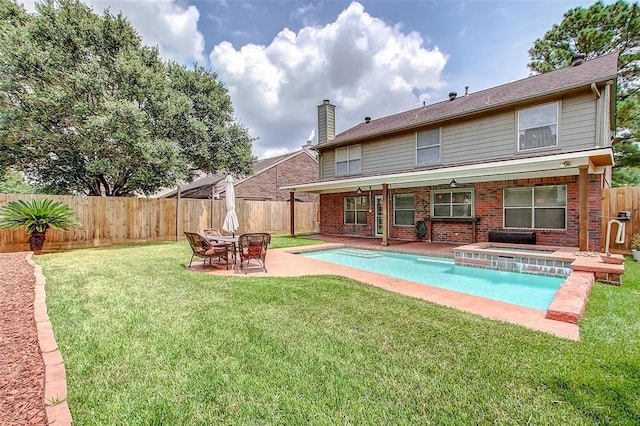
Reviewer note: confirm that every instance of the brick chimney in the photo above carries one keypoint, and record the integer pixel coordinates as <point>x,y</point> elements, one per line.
<point>326,122</point>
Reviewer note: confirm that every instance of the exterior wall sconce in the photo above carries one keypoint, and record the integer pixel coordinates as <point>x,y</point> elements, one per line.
<point>453,184</point>
<point>359,191</point>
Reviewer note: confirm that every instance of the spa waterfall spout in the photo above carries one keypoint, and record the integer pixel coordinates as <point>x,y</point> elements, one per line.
<point>619,234</point>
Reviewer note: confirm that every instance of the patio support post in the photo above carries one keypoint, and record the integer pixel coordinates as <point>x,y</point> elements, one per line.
<point>292,213</point>
<point>385,214</point>
<point>213,198</point>
<point>583,212</point>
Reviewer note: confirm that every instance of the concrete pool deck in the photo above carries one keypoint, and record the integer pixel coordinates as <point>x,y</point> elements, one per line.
<point>285,263</point>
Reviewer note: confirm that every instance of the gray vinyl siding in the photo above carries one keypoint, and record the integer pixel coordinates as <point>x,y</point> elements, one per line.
<point>398,153</point>
<point>578,123</point>
<point>328,164</point>
<point>479,139</point>
<point>483,139</point>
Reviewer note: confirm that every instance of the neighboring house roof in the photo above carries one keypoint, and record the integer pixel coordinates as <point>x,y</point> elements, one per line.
<point>201,188</point>
<point>593,71</point>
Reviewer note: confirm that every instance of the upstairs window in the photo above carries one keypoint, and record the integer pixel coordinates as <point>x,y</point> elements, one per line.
<point>454,203</point>
<point>355,210</point>
<point>349,160</point>
<point>540,207</point>
<point>428,147</point>
<point>538,127</point>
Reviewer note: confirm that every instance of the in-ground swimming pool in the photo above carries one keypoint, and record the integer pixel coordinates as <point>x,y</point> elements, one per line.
<point>533,291</point>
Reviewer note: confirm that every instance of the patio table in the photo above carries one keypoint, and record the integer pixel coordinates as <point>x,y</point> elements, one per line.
<point>226,239</point>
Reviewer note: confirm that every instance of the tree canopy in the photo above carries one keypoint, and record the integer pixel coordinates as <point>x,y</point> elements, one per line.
<point>85,108</point>
<point>595,31</point>
<point>13,183</point>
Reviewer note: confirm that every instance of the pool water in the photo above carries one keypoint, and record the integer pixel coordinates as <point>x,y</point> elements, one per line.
<point>533,291</point>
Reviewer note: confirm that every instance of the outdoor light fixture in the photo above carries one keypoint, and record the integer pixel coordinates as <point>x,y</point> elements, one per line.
<point>566,164</point>
<point>453,184</point>
<point>359,191</point>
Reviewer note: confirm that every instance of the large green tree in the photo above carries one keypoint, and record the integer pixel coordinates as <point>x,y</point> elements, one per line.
<point>85,108</point>
<point>593,31</point>
<point>13,183</point>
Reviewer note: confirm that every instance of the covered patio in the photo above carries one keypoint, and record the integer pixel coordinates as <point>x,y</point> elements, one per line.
<point>580,168</point>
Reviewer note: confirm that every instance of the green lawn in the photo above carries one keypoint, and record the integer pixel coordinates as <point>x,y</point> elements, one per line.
<point>146,341</point>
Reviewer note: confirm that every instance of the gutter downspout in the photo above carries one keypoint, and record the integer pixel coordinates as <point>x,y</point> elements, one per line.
<point>599,109</point>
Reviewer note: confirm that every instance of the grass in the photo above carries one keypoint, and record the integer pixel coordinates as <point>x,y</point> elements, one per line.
<point>147,342</point>
<point>283,241</point>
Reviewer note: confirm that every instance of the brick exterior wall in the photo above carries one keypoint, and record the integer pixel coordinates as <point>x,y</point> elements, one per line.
<point>265,186</point>
<point>488,197</point>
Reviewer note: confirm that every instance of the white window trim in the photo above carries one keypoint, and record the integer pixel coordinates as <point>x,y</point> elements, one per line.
<point>413,210</point>
<point>533,207</point>
<point>344,211</point>
<point>422,147</point>
<point>453,191</point>
<point>558,109</point>
<point>335,160</point>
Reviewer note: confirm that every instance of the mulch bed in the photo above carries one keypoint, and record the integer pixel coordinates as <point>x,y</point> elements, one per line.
<point>21,364</point>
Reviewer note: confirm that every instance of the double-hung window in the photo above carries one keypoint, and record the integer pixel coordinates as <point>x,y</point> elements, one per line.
<point>403,207</point>
<point>452,203</point>
<point>349,160</point>
<point>428,147</point>
<point>538,127</point>
<point>540,207</point>
<point>355,210</point>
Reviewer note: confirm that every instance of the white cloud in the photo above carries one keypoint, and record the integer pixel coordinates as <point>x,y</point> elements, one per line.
<point>363,65</point>
<point>274,152</point>
<point>163,23</point>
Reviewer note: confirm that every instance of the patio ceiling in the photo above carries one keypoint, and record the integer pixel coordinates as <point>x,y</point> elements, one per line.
<point>565,164</point>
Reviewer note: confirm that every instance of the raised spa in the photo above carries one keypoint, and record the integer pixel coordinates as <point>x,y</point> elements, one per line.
<point>522,258</point>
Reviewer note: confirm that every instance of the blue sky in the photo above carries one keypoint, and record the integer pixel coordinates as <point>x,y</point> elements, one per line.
<point>280,59</point>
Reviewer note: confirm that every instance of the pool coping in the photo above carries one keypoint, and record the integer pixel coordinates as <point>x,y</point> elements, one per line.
<point>520,315</point>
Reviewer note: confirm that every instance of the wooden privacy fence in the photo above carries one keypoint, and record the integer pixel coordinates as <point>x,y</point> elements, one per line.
<point>615,200</point>
<point>108,220</point>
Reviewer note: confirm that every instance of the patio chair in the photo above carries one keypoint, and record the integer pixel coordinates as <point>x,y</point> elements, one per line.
<point>253,245</point>
<point>211,234</point>
<point>201,247</point>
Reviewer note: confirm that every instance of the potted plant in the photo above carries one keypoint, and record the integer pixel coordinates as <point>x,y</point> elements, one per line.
<point>37,216</point>
<point>635,246</point>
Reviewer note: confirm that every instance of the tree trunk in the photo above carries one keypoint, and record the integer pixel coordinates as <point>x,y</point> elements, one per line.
<point>37,241</point>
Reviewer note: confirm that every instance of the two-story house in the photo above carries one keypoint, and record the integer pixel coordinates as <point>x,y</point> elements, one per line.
<point>528,156</point>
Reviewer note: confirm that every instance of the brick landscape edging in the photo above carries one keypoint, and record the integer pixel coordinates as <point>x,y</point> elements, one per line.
<point>55,379</point>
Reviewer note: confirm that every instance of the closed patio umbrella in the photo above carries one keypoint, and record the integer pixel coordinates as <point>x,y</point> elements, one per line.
<point>231,219</point>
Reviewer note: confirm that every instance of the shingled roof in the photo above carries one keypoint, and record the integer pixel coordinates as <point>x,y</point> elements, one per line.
<point>201,188</point>
<point>597,70</point>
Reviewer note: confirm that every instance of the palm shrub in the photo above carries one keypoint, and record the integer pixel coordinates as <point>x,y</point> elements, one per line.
<point>37,216</point>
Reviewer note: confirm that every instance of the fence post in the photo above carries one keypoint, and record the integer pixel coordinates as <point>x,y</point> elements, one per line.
<point>178,214</point>
<point>292,214</point>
